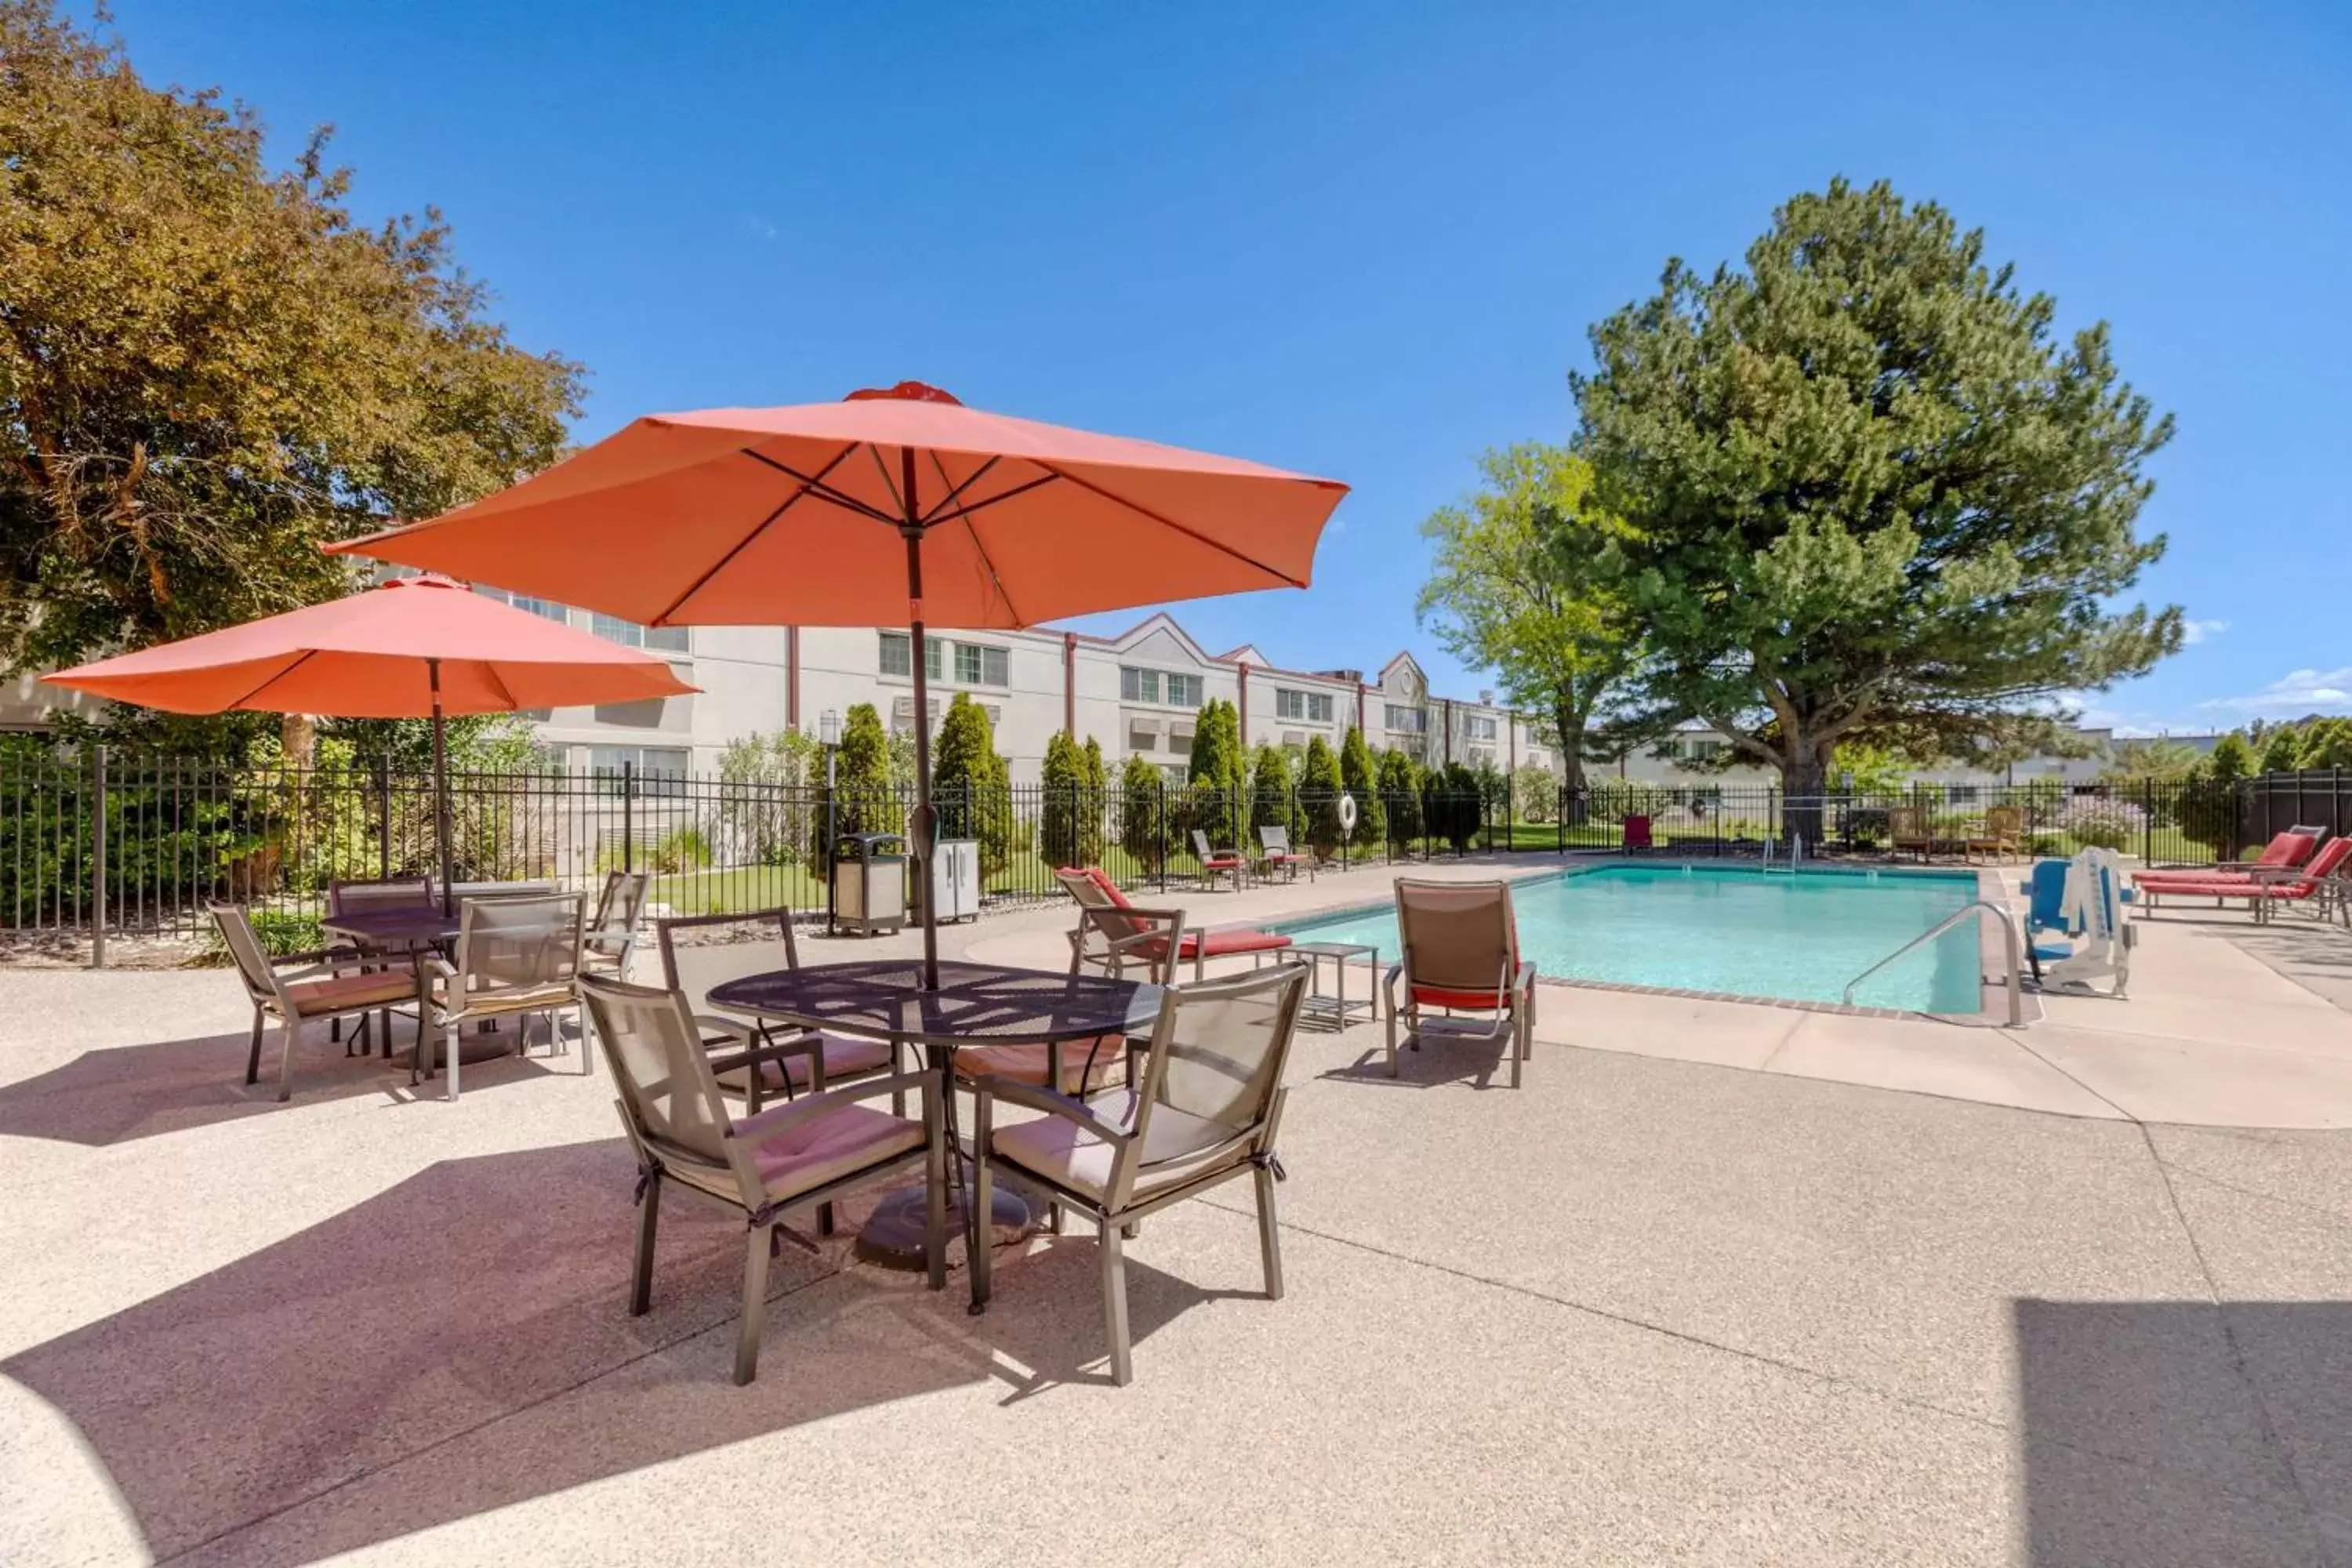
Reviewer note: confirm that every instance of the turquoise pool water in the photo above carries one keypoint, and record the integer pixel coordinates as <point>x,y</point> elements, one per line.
<point>1745,932</point>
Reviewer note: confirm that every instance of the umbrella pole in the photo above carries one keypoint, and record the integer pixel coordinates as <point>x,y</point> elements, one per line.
<point>440,785</point>
<point>920,839</point>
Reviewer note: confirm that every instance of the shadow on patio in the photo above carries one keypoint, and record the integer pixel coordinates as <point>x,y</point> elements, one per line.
<point>2179,1432</point>
<point>490,1288</point>
<point>122,1093</point>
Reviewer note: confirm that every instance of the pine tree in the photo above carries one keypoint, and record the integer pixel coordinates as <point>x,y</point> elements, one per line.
<point>2281,747</point>
<point>1142,808</point>
<point>866,802</point>
<point>1400,780</point>
<point>1319,784</point>
<point>1360,774</point>
<point>1061,813</point>
<point>971,786</point>
<point>1270,798</point>
<point>1091,833</point>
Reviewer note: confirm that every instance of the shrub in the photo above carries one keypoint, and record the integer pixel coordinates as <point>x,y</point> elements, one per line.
<point>682,849</point>
<point>1270,797</point>
<point>1061,813</point>
<point>1399,782</point>
<point>1360,776</point>
<point>2097,821</point>
<point>1534,794</point>
<point>1142,804</point>
<point>1864,824</point>
<point>971,786</point>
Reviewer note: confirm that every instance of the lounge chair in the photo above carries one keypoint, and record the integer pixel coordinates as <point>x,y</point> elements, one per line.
<point>1908,827</point>
<point>2045,892</point>
<point>1094,890</point>
<point>1637,833</point>
<point>515,957</point>
<point>2321,881</point>
<point>790,1156</point>
<point>1274,852</point>
<point>1461,947</point>
<point>1206,1112</point>
<point>2284,852</point>
<point>1217,862</point>
<point>329,983</point>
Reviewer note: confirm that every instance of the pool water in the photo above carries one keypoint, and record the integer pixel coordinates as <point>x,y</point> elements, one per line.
<point>1745,932</point>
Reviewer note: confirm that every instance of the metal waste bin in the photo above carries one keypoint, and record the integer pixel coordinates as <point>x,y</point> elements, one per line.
<point>869,883</point>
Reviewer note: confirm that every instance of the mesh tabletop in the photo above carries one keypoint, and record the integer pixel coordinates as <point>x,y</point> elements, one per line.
<point>976,1004</point>
<point>394,927</point>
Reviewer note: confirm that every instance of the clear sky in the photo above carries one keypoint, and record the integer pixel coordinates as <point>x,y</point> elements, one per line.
<point>1365,239</point>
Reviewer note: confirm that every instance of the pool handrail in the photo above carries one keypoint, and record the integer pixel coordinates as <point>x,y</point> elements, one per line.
<point>1974,907</point>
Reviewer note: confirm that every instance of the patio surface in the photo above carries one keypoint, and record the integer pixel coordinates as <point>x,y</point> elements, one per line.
<point>1724,1284</point>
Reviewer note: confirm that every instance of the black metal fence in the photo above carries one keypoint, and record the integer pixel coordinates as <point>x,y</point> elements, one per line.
<point>96,844</point>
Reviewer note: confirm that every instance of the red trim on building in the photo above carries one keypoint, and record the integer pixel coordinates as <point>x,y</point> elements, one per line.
<point>1243,674</point>
<point>1070,684</point>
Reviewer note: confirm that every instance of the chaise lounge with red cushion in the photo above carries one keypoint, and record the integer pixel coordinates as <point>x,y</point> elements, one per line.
<point>2276,881</point>
<point>1093,888</point>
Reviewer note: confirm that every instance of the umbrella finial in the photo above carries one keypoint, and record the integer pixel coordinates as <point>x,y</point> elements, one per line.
<point>905,392</point>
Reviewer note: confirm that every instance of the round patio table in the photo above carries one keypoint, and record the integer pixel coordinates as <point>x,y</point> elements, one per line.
<point>975,1005</point>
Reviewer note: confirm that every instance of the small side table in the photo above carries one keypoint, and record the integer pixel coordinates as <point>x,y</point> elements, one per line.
<point>1335,1009</point>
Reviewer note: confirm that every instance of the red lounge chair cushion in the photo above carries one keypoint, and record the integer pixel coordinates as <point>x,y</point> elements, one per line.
<point>1221,863</point>
<point>1222,943</point>
<point>1438,997</point>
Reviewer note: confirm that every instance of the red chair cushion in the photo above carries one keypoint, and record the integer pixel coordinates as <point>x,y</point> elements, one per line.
<point>1221,943</point>
<point>1439,996</point>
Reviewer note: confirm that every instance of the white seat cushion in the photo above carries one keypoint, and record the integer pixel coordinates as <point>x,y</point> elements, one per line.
<point>1070,1156</point>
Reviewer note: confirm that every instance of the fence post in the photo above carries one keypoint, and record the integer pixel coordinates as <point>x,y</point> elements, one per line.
<point>98,859</point>
<point>2147,822</point>
<point>628,809</point>
<point>384,815</point>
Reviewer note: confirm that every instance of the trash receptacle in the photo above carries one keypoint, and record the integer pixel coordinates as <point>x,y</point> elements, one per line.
<point>869,883</point>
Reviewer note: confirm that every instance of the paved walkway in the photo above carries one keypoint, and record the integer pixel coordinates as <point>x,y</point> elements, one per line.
<point>1658,1307</point>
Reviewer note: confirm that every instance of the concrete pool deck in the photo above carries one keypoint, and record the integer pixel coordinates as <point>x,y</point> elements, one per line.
<point>1707,1290</point>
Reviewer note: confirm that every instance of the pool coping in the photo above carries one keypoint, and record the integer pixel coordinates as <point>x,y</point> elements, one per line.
<point>1992,997</point>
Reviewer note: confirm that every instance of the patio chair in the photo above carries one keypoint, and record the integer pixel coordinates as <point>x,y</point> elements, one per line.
<point>2004,831</point>
<point>611,936</point>
<point>790,1156</point>
<point>1275,852</point>
<point>345,897</point>
<point>515,957</point>
<point>1461,953</point>
<point>301,986</point>
<point>1094,890</point>
<point>1117,942</point>
<point>1206,1111</point>
<point>1216,862</point>
<point>1908,827</point>
<point>749,1056</point>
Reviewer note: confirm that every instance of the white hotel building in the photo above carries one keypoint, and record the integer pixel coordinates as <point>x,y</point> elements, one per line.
<point>1138,693</point>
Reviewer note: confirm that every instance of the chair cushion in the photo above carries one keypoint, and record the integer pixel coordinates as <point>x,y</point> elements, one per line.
<point>1220,943</point>
<point>1027,1063</point>
<point>1070,1156</point>
<point>803,1157</point>
<point>844,1058</point>
<point>350,992</point>
<point>1441,997</point>
<point>518,999</point>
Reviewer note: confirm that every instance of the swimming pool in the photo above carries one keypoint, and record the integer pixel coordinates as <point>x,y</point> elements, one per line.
<point>1740,930</point>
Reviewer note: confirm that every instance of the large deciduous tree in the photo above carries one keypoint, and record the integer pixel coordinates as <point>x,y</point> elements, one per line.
<point>1870,494</point>
<point>1521,583</point>
<point>208,367</point>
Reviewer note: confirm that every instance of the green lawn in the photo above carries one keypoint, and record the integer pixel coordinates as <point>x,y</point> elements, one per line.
<point>737,889</point>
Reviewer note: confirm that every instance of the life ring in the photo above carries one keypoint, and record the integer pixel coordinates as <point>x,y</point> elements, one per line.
<point>1347,813</point>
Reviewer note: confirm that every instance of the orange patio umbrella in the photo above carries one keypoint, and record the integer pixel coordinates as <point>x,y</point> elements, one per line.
<point>888,507</point>
<point>414,647</point>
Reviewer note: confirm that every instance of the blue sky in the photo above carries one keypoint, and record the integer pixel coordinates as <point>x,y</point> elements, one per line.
<point>1365,240</point>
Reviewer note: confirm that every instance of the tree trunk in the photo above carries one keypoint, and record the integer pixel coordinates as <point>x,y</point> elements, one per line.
<point>1570,724</point>
<point>297,739</point>
<point>1804,780</point>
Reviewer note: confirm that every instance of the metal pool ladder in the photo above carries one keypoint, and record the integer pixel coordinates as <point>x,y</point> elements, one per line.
<point>1976,908</point>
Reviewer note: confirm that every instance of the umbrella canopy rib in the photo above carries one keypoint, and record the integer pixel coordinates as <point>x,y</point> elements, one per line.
<point>274,676</point>
<point>751,538</point>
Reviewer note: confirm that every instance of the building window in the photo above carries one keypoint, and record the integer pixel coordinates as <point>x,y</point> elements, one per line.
<point>1478,727</point>
<point>976,664</point>
<point>1705,751</point>
<point>546,609</point>
<point>628,633</point>
<point>1537,760</point>
<point>1314,707</point>
<point>657,770</point>
<point>1159,686</point>
<point>897,658</point>
<point>1406,721</point>
<point>1960,795</point>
